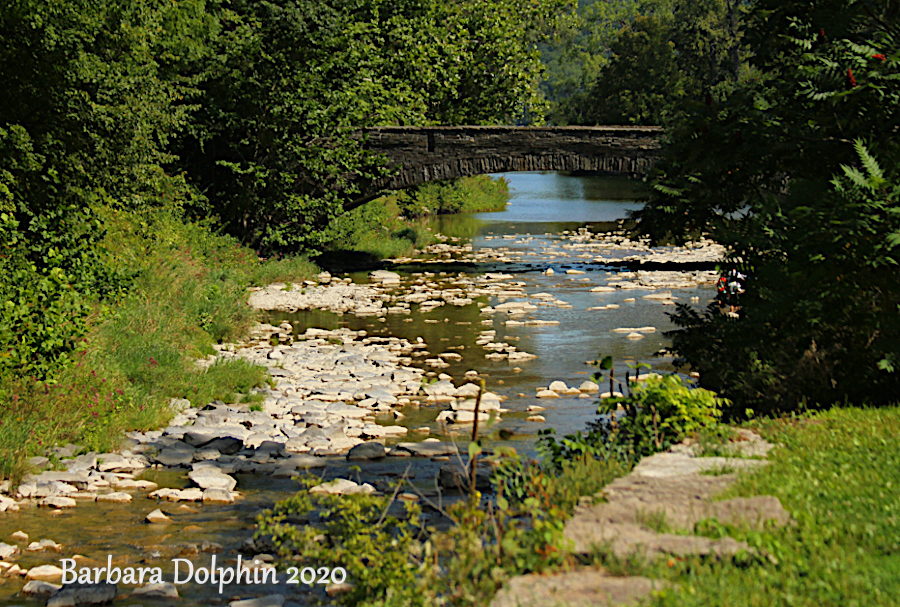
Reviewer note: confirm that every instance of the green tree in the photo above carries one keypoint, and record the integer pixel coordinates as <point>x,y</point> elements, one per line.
<point>796,173</point>
<point>643,81</point>
<point>292,82</point>
<point>638,61</point>
<point>93,92</point>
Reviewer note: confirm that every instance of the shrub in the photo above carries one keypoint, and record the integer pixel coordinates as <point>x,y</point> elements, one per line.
<point>659,412</point>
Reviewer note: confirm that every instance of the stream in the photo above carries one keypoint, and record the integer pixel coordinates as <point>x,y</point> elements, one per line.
<point>539,230</point>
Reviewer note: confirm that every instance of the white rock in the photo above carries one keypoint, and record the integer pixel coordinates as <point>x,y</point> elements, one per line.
<point>7,551</point>
<point>559,386</point>
<point>218,496</point>
<point>207,478</point>
<point>57,502</point>
<point>589,386</point>
<point>158,517</point>
<point>342,486</point>
<point>119,497</point>
<point>19,536</point>
<point>44,572</point>
<point>164,590</point>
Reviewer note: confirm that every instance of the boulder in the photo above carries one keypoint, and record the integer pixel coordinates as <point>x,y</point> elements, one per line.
<point>57,502</point>
<point>366,451</point>
<point>76,595</point>
<point>226,445</point>
<point>218,496</point>
<point>559,386</point>
<point>208,478</point>
<point>119,497</point>
<point>44,572</point>
<point>18,536</point>
<point>454,476</point>
<point>40,588</point>
<point>7,551</point>
<point>172,458</point>
<point>8,504</point>
<point>45,544</point>
<point>384,277</point>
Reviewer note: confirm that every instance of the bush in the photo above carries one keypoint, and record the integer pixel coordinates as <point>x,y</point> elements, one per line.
<point>659,412</point>
<point>477,194</point>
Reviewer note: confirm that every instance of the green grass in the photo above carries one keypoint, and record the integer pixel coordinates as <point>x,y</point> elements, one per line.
<point>838,474</point>
<point>377,228</point>
<point>189,293</point>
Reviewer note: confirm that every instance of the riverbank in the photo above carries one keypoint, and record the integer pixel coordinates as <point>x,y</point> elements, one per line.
<point>182,291</point>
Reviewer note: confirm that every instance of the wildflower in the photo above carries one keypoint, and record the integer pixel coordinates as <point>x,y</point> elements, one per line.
<point>851,77</point>
<point>153,362</point>
<point>879,56</point>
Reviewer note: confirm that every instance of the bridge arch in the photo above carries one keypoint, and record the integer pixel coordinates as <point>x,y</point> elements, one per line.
<point>433,153</point>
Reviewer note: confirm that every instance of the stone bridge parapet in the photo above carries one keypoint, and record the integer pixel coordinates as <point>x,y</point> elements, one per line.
<point>433,153</point>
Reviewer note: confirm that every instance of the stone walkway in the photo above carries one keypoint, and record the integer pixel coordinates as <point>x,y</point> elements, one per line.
<point>651,512</point>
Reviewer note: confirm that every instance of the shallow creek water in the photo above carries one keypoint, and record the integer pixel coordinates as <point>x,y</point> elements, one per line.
<point>543,207</point>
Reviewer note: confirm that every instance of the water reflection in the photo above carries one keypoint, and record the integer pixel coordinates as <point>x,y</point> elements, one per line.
<point>552,197</point>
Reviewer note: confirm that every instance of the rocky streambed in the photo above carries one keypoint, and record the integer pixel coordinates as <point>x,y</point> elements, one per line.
<point>389,384</point>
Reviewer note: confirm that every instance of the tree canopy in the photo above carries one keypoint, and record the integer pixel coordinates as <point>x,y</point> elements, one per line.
<point>796,172</point>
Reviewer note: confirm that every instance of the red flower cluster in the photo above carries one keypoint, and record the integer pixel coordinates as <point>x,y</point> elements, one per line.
<point>879,56</point>
<point>851,77</point>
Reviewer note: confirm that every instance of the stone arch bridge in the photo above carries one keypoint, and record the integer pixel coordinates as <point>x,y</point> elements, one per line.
<point>433,153</point>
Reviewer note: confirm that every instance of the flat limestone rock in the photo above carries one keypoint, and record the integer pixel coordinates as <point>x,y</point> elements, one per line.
<point>208,478</point>
<point>586,588</point>
<point>7,551</point>
<point>172,458</point>
<point>46,573</point>
<point>57,502</point>
<point>428,448</point>
<point>119,497</point>
<point>164,590</point>
<point>672,486</point>
<point>217,496</point>
<point>342,486</point>
<point>272,600</point>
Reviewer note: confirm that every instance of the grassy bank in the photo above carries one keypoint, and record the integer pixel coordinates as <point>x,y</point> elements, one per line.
<point>188,292</point>
<point>394,225</point>
<point>838,474</point>
<point>181,289</point>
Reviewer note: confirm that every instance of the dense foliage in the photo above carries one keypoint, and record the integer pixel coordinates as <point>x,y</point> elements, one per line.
<point>657,413</point>
<point>290,84</point>
<point>796,172</point>
<point>245,111</point>
<point>640,62</point>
